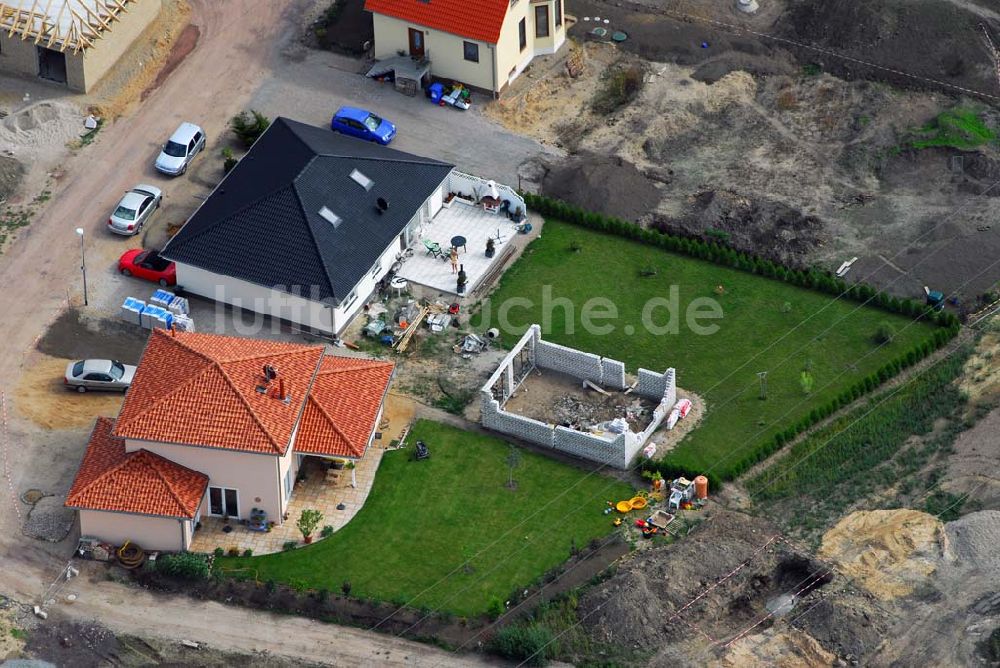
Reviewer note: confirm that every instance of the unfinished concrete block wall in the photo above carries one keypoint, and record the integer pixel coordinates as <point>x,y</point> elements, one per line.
<point>616,450</point>
<point>614,374</point>
<point>585,366</point>
<point>610,451</point>
<point>518,426</point>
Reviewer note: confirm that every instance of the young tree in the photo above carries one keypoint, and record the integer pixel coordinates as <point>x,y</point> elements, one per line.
<point>513,461</point>
<point>308,521</point>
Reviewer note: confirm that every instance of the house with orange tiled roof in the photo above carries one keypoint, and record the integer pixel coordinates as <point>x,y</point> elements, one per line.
<point>219,426</point>
<point>481,43</point>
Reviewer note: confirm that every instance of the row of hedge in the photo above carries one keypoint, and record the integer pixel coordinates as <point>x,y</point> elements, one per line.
<point>675,463</point>
<point>725,255</point>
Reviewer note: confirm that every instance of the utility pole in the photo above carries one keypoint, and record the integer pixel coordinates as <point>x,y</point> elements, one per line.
<point>83,264</point>
<point>762,376</point>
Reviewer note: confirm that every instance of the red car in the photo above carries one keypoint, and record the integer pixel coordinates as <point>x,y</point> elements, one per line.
<point>148,265</point>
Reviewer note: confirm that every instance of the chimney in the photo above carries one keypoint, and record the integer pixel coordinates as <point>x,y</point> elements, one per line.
<point>281,388</point>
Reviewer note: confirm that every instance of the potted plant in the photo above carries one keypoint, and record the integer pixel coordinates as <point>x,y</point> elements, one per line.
<point>308,521</point>
<point>491,247</point>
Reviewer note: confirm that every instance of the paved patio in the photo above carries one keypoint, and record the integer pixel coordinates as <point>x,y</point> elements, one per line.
<point>460,219</point>
<point>316,491</point>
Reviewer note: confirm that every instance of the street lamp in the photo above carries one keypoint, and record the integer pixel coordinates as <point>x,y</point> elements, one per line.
<point>83,265</point>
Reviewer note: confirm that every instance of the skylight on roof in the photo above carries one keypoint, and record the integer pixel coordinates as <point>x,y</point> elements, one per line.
<point>362,180</point>
<point>330,217</point>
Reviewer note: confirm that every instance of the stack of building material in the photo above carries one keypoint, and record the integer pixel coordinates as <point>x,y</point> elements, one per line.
<point>156,317</point>
<point>178,306</point>
<point>162,298</point>
<point>183,323</point>
<point>131,310</point>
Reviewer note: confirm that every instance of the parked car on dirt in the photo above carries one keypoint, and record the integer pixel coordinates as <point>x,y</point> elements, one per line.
<point>363,125</point>
<point>98,375</point>
<point>187,141</point>
<point>134,209</point>
<point>148,265</point>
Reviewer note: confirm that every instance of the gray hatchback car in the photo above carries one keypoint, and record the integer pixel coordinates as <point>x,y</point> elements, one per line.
<point>99,375</point>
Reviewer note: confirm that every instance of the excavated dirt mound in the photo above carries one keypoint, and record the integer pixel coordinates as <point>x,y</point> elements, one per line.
<point>890,552</point>
<point>609,184</point>
<point>672,599</point>
<point>779,649</point>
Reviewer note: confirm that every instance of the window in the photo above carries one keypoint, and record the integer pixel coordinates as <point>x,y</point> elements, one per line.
<point>223,502</point>
<point>288,483</point>
<point>471,51</point>
<point>541,21</point>
<point>348,300</point>
<point>376,269</point>
<point>522,33</point>
<point>558,13</point>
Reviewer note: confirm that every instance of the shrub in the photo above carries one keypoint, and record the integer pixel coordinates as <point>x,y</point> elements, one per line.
<point>249,125</point>
<point>289,545</point>
<point>496,608</point>
<point>621,86</point>
<point>885,333</point>
<point>345,587</point>
<point>528,643</point>
<point>326,532</point>
<point>186,565</point>
<point>233,552</point>
<point>228,160</point>
<point>248,552</point>
<point>271,586</point>
<point>219,553</point>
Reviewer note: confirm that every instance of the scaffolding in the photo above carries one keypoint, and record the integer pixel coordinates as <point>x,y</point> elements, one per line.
<point>61,25</point>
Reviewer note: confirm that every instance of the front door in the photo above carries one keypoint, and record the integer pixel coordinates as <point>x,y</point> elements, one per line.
<point>416,43</point>
<point>223,502</point>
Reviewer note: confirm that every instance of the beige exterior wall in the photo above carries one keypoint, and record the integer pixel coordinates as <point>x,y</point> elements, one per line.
<point>498,64</point>
<point>446,51</point>
<point>149,532</point>
<point>256,478</point>
<point>86,68</point>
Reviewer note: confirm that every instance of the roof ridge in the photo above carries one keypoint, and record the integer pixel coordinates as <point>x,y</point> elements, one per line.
<point>308,221</point>
<point>301,348</point>
<point>417,160</point>
<point>154,463</point>
<point>333,423</point>
<point>253,413</point>
<point>359,366</point>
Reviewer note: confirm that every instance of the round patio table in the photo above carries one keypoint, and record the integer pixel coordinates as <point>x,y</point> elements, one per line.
<point>459,242</point>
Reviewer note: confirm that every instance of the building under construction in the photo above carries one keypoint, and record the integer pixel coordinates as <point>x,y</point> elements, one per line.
<point>72,42</point>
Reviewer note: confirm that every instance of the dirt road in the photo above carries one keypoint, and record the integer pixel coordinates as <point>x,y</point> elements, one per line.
<point>239,44</point>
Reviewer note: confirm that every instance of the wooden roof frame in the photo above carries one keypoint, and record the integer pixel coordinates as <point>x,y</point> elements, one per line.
<point>43,22</point>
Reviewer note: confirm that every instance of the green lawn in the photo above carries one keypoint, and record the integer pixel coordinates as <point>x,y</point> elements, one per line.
<point>424,519</point>
<point>580,264</point>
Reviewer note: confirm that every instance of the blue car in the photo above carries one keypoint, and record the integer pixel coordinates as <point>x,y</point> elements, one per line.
<point>363,125</point>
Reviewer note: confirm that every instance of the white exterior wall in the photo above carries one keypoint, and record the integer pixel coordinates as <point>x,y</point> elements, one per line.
<point>511,60</point>
<point>254,476</point>
<point>165,534</point>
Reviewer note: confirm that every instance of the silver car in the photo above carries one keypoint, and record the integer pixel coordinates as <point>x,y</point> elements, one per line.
<point>134,209</point>
<point>186,142</point>
<point>99,375</point>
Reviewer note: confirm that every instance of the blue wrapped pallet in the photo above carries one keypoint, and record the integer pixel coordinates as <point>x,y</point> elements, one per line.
<point>131,310</point>
<point>162,298</point>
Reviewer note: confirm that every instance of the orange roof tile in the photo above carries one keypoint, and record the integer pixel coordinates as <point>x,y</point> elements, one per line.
<point>343,406</point>
<point>476,19</point>
<point>133,482</point>
<point>202,389</point>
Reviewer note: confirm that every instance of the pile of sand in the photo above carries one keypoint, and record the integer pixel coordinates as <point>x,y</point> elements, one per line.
<point>42,398</point>
<point>973,541</point>
<point>780,649</point>
<point>888,551</point>
<point>38,129</point>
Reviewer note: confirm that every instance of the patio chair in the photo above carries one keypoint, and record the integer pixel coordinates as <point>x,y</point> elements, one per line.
<point>433,248</point>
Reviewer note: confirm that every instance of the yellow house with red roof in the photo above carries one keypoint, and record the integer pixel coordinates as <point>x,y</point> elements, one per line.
<point>218,426</point>
<point>481,43</point>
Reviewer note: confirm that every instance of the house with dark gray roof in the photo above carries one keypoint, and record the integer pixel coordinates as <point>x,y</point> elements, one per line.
<point>306,225</point>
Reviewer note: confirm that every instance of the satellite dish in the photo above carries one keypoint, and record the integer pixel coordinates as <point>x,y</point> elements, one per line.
<point>382,204</point>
